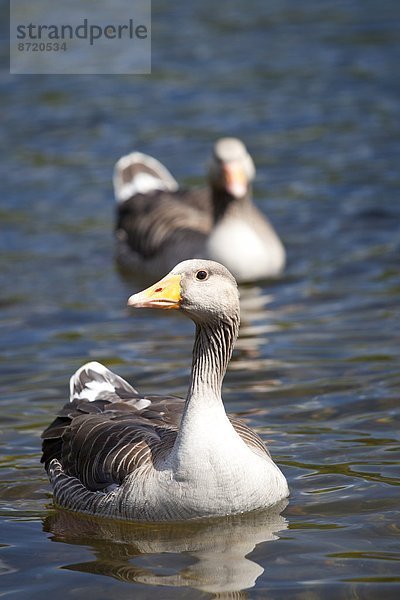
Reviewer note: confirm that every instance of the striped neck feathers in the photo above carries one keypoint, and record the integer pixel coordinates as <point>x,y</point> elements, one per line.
<point>212,352</point>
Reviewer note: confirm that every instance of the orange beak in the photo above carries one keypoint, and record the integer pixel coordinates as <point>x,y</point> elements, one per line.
<point>164,294</point>
<point>235,179</point>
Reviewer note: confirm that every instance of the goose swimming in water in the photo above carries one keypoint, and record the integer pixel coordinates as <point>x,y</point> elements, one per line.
<point>114,452</point>
<point>158,224</point>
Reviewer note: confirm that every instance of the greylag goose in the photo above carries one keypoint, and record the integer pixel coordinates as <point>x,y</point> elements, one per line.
<point>158,224</point>
<point>114,452</point>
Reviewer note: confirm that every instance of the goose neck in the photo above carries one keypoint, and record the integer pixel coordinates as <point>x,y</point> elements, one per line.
<point>212,351</point>
<point>204,420</point>
<point>224,203</point>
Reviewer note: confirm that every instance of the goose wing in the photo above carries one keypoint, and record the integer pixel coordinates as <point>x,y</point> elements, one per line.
<point>102,439</point>
<point>153,222</point>
<point>152,212</point>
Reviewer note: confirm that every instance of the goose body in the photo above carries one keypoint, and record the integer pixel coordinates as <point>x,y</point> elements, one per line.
<point>114,452</point>
<point>158,224</point>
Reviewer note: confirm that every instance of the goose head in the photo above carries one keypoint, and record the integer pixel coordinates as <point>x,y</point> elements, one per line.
<point>231,169</point>
<point>203,289</point>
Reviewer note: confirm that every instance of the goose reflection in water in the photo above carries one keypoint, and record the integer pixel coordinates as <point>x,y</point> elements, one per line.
<point>209,555</point>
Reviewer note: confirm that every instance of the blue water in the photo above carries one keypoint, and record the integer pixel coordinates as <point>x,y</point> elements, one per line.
<point>313,89</point>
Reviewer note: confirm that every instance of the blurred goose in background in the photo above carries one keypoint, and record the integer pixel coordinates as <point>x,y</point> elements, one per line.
<point>159,224</point>
<point>114,452</point>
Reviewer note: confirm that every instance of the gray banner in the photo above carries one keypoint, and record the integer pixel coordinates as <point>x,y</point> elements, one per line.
<point>80,37</point>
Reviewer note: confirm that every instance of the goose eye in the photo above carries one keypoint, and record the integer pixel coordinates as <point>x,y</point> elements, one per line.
<point>201,275</point>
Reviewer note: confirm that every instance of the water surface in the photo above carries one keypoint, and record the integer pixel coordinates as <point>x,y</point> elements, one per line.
<point>313,90</point>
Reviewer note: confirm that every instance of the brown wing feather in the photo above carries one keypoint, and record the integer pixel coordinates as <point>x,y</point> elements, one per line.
<point>151,221</point>
<point>101,442</point>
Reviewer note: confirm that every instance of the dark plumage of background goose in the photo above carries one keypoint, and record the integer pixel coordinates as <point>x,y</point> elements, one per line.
<point>159,224</point>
